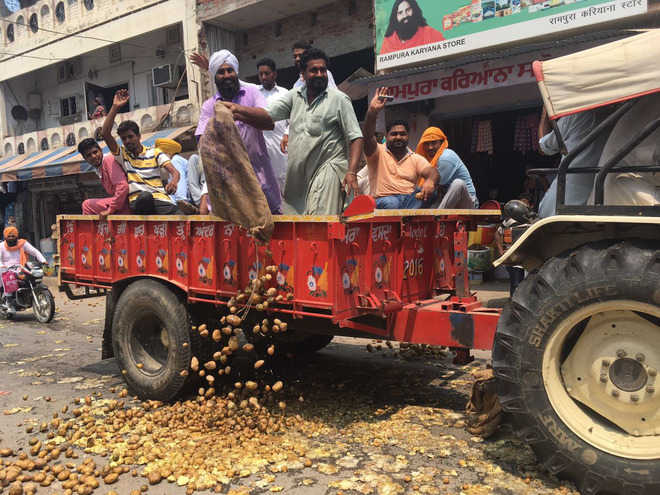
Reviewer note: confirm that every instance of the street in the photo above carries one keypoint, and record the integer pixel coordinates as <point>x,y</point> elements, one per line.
<point>355,422</point>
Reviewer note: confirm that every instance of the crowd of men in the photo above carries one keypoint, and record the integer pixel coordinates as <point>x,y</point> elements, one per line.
<point>305,145</point>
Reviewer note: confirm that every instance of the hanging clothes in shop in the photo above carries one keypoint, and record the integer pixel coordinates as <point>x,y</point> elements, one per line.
<point>482,136</point>
<point>526,135</point>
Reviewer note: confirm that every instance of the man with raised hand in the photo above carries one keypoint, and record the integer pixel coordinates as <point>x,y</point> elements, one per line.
<point>394,170</point>
<point>142,164</point>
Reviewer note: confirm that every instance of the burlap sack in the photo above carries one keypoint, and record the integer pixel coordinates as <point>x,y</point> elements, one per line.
<point>484,412</point>
<point>234,191</point>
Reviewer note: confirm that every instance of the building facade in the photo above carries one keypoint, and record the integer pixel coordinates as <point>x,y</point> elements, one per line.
<point>60,60</point>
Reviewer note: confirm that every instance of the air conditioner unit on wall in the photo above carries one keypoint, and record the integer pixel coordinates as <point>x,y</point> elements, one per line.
<point>161,75</point>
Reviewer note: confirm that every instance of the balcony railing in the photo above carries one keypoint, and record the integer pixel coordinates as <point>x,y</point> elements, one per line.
<point>149,119</point>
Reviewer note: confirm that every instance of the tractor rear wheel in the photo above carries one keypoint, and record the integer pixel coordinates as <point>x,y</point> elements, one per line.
<point>576,357</point>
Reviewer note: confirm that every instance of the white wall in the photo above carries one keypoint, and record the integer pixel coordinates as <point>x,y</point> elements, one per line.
<point>133,69</point>
<point>109,22</point>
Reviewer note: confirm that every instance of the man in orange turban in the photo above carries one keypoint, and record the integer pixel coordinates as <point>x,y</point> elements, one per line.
<point>13,252</point>
<point>454,175</point>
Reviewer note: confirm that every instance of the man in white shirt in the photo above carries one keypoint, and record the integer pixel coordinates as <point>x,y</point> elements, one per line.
<point>299,48</point>
<point>267,72</point>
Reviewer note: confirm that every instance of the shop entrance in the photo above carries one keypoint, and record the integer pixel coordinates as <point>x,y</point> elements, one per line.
<point>498,148</point>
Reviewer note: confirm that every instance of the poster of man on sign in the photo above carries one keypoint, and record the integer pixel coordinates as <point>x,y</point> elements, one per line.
<point>414,31</point>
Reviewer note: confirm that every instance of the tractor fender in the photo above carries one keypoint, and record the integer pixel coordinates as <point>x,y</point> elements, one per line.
<point>554,235</point>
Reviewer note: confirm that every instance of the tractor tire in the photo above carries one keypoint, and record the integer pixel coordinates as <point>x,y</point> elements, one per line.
<point>151,339</point>
<point>576,356</point>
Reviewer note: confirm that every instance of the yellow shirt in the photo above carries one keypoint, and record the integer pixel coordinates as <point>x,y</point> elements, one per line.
<point>387,176</point>
<point>143,172</point>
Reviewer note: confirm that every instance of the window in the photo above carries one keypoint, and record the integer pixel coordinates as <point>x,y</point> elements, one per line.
<point>34,23</point>
<point>21,149</point>
<point>68,106</point>
<point>71,139</point>
<point>89,4</point>
<point>44,144</point>
<point>10,33</point>
<point>59,12</point>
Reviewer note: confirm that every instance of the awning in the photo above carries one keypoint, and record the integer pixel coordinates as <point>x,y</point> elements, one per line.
<point>65,160</point>
<point>600,76</point>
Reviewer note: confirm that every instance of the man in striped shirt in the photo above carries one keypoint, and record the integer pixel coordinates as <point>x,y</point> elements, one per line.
<point>146,194</point>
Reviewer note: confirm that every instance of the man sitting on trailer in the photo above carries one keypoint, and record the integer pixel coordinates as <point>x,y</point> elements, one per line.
<point>394,170</point>
<point>146,195</point>
<point>454,175</point>
<point>112,178</point>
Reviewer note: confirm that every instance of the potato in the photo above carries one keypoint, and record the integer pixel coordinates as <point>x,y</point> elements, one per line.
<point>16,488</point>
<point>277,386</point>
<point>194,364</point>
<point>210,365</point>
<point>233,320</point>
<point>111,478</point>
<point>217,335</point>
<point>154,478</point>
<point>258,364</point>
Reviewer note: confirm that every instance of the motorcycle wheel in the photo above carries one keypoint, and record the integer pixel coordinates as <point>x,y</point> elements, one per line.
<point>44,305</point>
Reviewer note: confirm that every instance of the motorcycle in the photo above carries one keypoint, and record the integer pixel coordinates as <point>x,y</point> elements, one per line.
<point>30,292</point>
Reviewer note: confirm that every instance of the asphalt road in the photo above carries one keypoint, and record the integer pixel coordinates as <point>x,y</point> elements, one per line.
<point>355,422</point>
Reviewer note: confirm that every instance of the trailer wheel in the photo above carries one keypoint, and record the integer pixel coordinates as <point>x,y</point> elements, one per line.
<point>150,327</point>
<point>576,356</point>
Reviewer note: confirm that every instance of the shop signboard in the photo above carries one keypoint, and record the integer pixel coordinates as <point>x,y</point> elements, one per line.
<point>465,79</point>
<point>415,31</point>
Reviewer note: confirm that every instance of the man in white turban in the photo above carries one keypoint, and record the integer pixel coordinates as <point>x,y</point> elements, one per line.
<point>223,69</point>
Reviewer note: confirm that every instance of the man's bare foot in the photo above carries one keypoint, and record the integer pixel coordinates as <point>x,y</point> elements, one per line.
<point>187,208</point>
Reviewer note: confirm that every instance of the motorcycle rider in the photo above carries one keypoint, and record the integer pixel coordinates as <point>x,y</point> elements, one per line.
<point>15,251</point>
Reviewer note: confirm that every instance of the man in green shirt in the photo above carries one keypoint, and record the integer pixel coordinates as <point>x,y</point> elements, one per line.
<point>325,140</point>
